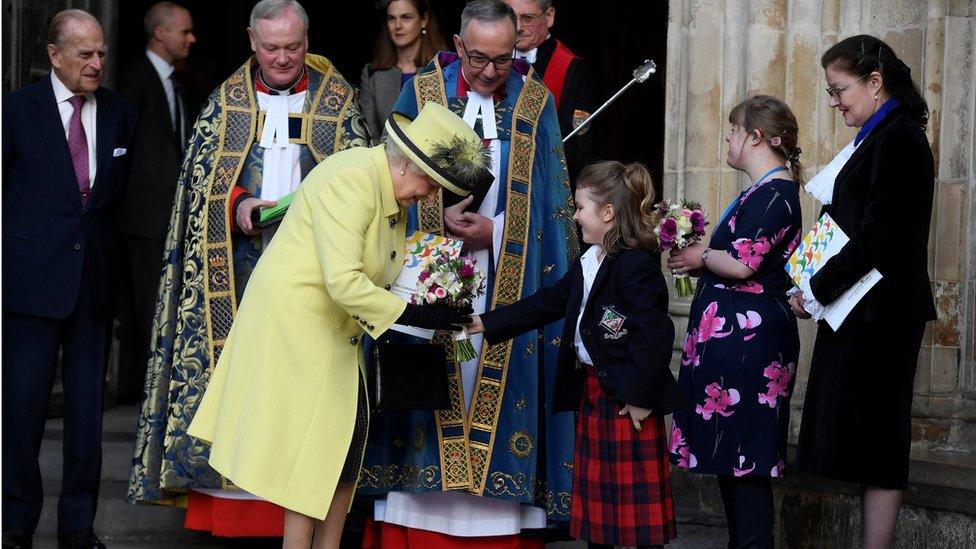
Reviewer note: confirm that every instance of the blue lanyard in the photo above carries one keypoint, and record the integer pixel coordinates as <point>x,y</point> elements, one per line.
<point>731,205</point>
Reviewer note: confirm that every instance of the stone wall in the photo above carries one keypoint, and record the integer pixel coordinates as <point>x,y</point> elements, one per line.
<point>721,51</point>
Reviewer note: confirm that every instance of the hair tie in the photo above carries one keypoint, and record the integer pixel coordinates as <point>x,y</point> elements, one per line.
<point>776,141</point>
<point>794,155</point>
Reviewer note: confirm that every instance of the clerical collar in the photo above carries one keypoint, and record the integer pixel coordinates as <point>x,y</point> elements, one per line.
<point>299,86</point>
<point>529,56</point>
<point>532,54</point>
<point>463,87</point>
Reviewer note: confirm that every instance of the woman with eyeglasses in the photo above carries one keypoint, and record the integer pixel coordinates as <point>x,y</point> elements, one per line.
<point>856,424</point>
<point>410,38</point>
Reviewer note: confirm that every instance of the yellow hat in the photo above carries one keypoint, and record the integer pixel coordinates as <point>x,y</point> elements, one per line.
<point>443,146</point>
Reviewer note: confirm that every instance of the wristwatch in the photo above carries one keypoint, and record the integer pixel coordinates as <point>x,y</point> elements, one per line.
<point>704,255</point>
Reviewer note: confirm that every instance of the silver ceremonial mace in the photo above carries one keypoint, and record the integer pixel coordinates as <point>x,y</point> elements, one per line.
<point>641,74</point>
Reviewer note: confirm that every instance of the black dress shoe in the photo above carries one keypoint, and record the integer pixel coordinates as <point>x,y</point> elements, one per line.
<point>15,538</point>
<point>80,539</point>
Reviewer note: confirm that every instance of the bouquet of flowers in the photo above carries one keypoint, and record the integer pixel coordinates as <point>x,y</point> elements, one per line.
<point>681,225</point>
<point>453,281</point>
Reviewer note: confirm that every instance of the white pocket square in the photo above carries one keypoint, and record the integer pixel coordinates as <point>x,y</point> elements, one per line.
<point>118,152</point>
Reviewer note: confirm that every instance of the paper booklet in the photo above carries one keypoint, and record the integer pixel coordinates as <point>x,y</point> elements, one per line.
<point>264,217</point>
<point>824,241</point>
<point>421,248</point>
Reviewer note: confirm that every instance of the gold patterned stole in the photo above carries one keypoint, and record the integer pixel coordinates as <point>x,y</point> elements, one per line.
<point>324,110</point>
<point>466,440</point>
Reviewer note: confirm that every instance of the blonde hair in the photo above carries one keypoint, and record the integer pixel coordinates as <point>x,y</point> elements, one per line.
<point>775,119</point>
<point>630,190</point>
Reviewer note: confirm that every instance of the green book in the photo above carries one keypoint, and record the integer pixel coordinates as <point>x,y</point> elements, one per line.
<point>269,216</point>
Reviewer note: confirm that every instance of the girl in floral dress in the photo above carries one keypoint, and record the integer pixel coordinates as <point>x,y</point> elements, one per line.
<point>741,348</point>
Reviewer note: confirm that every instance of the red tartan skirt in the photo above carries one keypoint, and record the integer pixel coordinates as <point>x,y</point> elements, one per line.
<point>621,476</point>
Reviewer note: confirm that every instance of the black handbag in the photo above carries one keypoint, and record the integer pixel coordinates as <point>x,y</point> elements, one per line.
<point>409,376</point>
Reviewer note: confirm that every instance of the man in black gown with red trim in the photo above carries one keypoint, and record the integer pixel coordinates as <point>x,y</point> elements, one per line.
<point>566,75</point>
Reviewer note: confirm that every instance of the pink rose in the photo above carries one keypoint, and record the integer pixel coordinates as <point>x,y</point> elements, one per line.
<point>441,293</point>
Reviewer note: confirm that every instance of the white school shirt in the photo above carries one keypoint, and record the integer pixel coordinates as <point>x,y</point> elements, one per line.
<point>590,261</point>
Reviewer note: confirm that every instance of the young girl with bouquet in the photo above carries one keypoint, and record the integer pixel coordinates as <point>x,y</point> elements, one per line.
<point>613,360</point>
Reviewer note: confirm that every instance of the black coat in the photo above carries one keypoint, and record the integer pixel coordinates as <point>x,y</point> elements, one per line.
<point>632,358</point>
<point>883,201</point>
<point>48,238</point>
<point>156,154</point>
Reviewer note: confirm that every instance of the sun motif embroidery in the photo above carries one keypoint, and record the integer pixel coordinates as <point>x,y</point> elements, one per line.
<point>520,444</point>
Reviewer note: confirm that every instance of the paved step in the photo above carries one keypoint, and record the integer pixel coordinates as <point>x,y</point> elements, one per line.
<point>123,525</point>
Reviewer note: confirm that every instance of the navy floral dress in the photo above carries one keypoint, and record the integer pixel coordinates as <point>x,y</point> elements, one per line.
<point>741,348</point>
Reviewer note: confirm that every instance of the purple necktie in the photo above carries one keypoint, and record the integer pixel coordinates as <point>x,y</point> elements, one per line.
<point>78,146</point>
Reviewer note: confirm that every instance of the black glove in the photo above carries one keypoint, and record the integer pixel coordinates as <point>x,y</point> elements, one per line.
<point>436,317</point>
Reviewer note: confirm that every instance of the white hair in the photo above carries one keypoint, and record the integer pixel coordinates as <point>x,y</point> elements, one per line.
<point>395,154</point>
<point>275,9</point>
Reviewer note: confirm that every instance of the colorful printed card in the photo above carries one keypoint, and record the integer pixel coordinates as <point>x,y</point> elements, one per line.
<point>824,241</point>
<point>819,245</point>
<point>421,248</point>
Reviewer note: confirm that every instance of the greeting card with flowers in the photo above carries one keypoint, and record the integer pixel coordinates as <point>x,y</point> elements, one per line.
<point>825,240</point>
<point>422,248</point>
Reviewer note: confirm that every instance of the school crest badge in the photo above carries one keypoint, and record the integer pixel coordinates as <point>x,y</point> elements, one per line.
<point>613,322</point>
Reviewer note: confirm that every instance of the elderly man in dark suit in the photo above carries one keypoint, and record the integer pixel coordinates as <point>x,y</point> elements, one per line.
<point>157,153</point>
<point>65,141</point>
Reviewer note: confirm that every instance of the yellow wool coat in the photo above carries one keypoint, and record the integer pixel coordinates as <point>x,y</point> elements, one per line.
<point>281,404</point>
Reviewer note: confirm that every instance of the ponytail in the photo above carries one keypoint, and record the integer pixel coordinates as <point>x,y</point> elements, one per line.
<point>778,126</point>
<point>630,190</point>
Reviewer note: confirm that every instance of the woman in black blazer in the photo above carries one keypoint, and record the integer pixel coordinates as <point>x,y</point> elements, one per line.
<point>856,424</point>
<point>410,38</point>
<point>613,361</point>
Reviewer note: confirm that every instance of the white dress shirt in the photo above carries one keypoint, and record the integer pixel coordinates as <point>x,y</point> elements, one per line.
<point>590,261</point>
<point>62,94</point>
<point>165,71</point>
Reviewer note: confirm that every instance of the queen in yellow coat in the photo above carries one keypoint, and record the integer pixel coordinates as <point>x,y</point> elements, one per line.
<point>280,409</point>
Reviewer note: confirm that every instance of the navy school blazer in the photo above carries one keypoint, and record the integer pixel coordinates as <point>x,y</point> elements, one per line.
<point>625,327</point>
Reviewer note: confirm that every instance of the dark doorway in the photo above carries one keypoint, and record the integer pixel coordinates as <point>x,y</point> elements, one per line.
<point>614,36</point>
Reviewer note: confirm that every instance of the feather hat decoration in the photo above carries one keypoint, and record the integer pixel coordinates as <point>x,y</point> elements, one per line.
<point>444,147</point>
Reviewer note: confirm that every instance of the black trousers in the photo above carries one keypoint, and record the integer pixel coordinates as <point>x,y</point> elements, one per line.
<point>30,353</point>
<point>749,511</point>
<point>140,265</point>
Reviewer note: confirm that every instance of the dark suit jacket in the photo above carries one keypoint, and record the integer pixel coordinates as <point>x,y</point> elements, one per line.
<point>883,201</point>
<point>378,92</point>
<point>579,92</point>
<point>156,156</point>
<point>632,357</point>
<point>48,239</point>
